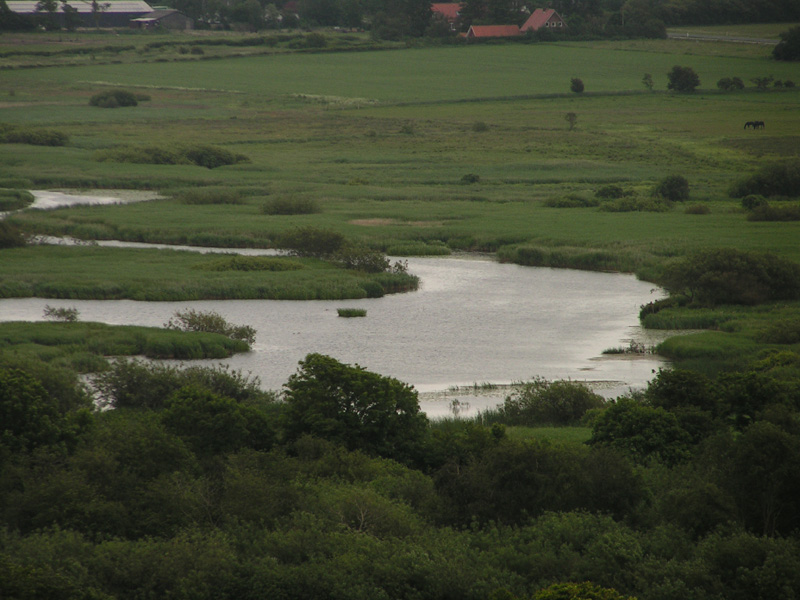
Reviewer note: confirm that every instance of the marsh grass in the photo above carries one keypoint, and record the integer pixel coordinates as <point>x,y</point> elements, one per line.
<point>60,340</point>
<point>210,195</point>
<point>11,199</point>
<point>351,312</point>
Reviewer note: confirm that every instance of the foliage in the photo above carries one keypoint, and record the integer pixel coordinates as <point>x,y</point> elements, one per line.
<point>543,402</point>
<point>137,384</point>
<point>210,157</point>
<point>113,99</point>
<point>34,136</point>
<point>771,212</point>
<point>571,118</point>
<point>571,201</point>
<point>637,204</point>
<point>673,187</point>
<point>726,84</point>
<point>647,81</point>
<point>210,195</point>
<point>354,407</point>
<point>762,83</point>
<point>64,314</point>
<point>361,258</point>
<point>578,591</point>
<point>12,199</point>
<point>611,191</point>
<point>238,262</point>
<point>789,46</point>
<point>210,322</point>
<point>734,277</point>
<point>312,241</point>
<point>645,433</point>
<point>682,79</point>
<point>576,85</point>
<point>10,236</point>
<point>775,179</point>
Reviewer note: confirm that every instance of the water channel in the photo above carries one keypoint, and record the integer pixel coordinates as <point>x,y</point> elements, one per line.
<point>473,321</point>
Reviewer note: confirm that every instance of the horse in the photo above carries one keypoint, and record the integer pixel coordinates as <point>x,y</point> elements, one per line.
<point>750,124</point>
<point>758,125</point>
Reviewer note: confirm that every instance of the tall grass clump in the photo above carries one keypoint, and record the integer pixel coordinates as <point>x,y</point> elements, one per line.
<point>10,236</point>
<point>290,205</point>
<point>637,204</point>
<point>571,201</point>
<point>351,312</point>
<point>210,322</point>
<point>33,136</point>
<point>418,249</point>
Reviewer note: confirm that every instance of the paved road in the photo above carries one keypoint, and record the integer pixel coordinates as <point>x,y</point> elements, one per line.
<point>720,38</point>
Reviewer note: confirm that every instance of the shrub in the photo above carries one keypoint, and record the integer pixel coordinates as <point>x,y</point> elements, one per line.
<point>10,236</point>
<point>697,209</point>
<point>361,258</point>
<point>728,276</point>
<point>289,205</point>
<point>633,204</point>
<point>576,85</point>
<point>682,79</point>
<point>762,83</point>
<point>727,84</point>
<point>769,212</point>
<point>673,187</point>
<point>315,40</point>
<point>610,192</point>
<point>210,322</point>
<point>113,99</point>
<point>200,155</point>
<point>212,156</point>
<point>471,178</point>
<point>753,201</point>
<point>66,315</point>
<point>781,179</point>
<point>32,136</point>
<point>542,402</point>
<point>311,241</point>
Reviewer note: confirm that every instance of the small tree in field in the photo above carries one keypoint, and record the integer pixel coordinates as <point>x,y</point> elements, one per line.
<point>576,85</point>
<point>673,187</point>
<point>762,83</point>
<point>682,79</point>
<point>647,81</point>
<point>571,118</point>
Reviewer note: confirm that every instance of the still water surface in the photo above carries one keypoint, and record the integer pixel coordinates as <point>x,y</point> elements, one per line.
<point>472,321</point>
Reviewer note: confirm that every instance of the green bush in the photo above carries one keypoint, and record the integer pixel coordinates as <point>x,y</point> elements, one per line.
<point>311,241</point>
<point>212,157</point>
<point>697,209</point>
<point>542,402</point>
<point>113,99</point>
<point>571,201</point>
<point>290,205</point>
<point>351,312</point>
<point>728,276</point>
<point>33,136</point>
<point>361,258</point>
<point>781,179</point>
<point>315,40</point>
<point>789,46</point>
<point>200,155</point>
<point>611,192</point>
<point>10,236</point>
<point>634,204</point>
<point>210,322</point>
<point>682,79</point>
<point>673,187</point>
<point>771,212</point>
<point>753,201</point>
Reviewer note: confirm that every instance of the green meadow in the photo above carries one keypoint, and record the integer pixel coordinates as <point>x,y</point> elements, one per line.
<point>421,150</point>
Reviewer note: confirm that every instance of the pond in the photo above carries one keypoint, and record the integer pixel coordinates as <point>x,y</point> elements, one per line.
<point>472,322</point>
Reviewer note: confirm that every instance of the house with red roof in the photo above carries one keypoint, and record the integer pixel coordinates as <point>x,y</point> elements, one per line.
<point>448,10</point>
<point>543,18</point>
<point>493,31</point>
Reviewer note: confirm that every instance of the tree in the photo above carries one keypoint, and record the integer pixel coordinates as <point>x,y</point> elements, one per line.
<point>789,46</point>
<point>647,81</point>
<point>50,7</point>
<point>762,83</point>
<point>571,118</point>
<point>541,402</point>
<point>682,79</point>
<point>576,85</point>
<point>71,17</point>
<point>354,407</point>
<point>578,591</point>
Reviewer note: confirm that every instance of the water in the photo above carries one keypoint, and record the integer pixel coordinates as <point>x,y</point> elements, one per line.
<point>473,321</point>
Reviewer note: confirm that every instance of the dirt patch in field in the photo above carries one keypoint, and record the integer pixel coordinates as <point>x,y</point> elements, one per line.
<point>379,222</point>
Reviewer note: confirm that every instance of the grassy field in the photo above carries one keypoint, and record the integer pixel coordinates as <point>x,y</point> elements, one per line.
<point>417,150</point>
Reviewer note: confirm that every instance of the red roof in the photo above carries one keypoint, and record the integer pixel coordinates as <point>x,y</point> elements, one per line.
<point>486,31</point>
<point>449,10</point>
<point>538,19</point>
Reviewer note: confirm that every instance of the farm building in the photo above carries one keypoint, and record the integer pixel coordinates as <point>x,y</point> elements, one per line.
<point>493,31</point>
<point>109,13</point>
<point>166,18</point>
<point>449,11</point>
<point>543,18</point>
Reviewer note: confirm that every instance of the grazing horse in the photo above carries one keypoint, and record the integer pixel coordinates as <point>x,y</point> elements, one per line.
<point>750,124</point>
<point>758,125</point>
